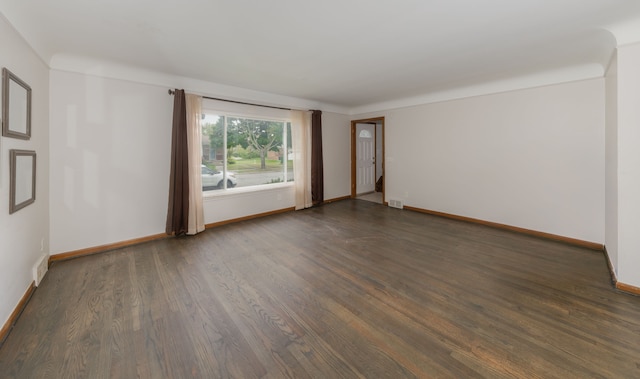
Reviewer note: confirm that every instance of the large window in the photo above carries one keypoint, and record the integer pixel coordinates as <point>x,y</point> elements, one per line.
<point>245,151</point>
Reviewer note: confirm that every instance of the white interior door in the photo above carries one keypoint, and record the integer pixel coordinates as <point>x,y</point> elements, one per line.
<point>365,158</point>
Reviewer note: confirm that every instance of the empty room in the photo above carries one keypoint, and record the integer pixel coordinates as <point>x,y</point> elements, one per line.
<point>409,189</point>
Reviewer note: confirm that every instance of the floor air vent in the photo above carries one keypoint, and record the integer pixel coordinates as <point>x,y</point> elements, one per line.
<point>396,204</point>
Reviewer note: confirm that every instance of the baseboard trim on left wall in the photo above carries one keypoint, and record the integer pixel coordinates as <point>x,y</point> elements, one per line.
<point>103,248</point>
<point>6,328</point>
<point>117,245</point>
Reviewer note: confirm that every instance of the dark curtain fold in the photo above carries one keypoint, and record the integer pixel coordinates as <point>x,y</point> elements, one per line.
<point>178,211</point>
<point>317,171</point>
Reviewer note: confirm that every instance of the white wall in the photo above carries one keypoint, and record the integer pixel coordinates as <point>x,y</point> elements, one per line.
<point>24,235</point>
<point>611,162</point>
<point>110,145</point>
<point>628,164</point>
<point>110,142</point>
<point>239,203</point>
<point>336,151</point>
<point>529,158</point>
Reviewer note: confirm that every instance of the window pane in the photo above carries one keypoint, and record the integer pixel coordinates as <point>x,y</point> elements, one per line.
<point>213,152</point>
<point>365,134</point>
<point>256,152</point>
<point>289,154</point>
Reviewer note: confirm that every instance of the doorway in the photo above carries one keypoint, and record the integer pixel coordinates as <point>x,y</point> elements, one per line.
<point>367,159</point>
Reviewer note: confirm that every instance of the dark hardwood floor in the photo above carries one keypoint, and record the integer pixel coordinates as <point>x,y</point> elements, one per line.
<point>350,289</point>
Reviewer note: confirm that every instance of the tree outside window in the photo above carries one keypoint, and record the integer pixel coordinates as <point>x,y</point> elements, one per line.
<point>256,151</point>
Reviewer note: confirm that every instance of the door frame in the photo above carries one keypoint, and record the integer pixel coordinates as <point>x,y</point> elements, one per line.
<point>374,120</point>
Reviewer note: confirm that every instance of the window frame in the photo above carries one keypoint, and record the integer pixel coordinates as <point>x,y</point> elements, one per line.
<point>287,124</point>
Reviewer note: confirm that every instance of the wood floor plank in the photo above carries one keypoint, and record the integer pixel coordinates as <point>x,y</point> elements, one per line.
<point>348,290</point>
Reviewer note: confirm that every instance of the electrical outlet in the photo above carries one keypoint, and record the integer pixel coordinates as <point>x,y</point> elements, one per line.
<point>40,269</point>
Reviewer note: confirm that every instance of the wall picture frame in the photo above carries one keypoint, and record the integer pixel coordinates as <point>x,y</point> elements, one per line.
<point>22,183</point>
<point>16,106</point>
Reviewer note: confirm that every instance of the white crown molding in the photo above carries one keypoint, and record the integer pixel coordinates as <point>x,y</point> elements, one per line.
<point>113,70</point>
<point>541,79</point>
<point>626,33</point>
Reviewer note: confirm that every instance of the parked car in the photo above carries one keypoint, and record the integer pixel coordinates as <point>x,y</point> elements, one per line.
<point>215,180</point>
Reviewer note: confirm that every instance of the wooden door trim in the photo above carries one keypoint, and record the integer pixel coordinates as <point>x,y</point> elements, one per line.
<point>373,120</point>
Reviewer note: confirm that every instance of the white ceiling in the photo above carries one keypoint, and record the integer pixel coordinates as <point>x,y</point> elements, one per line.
<point>343,52</point>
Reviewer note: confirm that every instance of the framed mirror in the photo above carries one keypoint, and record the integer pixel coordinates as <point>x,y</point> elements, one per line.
<point>22,186</point>
<point>16,106</point>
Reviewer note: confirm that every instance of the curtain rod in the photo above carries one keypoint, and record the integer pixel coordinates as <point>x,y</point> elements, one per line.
<point>171,92</point>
